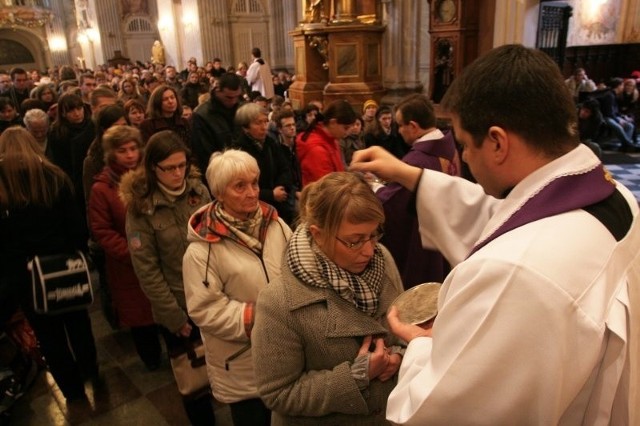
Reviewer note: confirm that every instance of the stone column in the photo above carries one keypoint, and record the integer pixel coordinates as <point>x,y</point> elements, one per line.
<point>401,49</point>
<point>191,31</point>
<point>167,27</point>
<point>215,30</point>
<point>58,43</point>
<point>278,30</point>
<point>109,21</point>
<point>509,22</point>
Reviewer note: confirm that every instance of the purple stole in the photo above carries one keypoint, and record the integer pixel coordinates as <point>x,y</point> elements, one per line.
<point>563,194</point>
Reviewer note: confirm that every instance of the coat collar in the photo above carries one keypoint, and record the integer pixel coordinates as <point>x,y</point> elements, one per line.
<point>344,320</point>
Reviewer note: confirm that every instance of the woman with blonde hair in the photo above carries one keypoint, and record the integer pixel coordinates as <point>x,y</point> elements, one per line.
<point>236,247</point>
<point>122,146</point>
<point>129,90</point>
<point>322,350</point>
<point>38,217</point>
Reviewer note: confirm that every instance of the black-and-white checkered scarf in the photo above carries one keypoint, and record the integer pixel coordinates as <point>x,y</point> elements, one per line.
<point>310,265</point>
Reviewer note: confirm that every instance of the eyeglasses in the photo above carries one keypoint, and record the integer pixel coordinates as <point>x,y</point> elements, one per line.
<point>374,238</point>
<point>171,169</point>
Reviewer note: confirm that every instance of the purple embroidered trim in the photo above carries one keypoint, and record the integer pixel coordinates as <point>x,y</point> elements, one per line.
<point>561,195</point>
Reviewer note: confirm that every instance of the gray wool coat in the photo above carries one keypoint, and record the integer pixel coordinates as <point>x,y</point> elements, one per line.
<point>304,342</point>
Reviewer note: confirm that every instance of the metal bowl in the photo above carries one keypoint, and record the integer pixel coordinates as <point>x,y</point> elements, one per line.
<point>418,304</point>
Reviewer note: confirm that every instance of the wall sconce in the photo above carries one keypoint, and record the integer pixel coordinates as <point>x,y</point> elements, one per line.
<point>188,20</point>
<point>164,24</point>
<point>82,37</point>
<point>92,34</point>
<point>57,44</point>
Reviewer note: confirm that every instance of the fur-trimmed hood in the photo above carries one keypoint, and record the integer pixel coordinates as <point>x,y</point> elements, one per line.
<point>133,187</point>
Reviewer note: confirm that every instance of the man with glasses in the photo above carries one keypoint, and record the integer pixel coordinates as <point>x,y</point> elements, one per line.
<point>213,121</point>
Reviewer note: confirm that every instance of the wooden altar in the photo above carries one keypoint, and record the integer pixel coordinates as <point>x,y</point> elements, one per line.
<point>338,54</point>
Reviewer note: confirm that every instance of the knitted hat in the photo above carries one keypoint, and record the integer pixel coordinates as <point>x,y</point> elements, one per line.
<point>369,103</point>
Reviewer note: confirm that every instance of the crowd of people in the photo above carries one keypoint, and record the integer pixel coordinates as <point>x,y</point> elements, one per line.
<point>609,111</point>
<point>214,212</point>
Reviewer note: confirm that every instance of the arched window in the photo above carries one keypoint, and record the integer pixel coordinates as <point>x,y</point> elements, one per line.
<point>247,7</point>
<point>139,25</point>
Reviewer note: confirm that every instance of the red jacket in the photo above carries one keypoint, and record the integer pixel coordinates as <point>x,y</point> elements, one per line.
<point>107,217</point>
<point>319,155</point>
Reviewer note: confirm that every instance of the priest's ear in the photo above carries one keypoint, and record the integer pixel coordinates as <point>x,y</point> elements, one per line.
<point>499,143</point>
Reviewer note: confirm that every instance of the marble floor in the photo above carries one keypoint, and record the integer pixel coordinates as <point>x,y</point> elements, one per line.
<point>625,168</point>
<point>130,395</point>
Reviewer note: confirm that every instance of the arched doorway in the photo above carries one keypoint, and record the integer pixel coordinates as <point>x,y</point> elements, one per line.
<point>22,48</point>
<point>249,29</point>
<point>139,34</point>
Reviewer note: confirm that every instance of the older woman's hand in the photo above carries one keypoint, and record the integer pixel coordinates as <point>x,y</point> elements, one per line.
<point>280,194</point>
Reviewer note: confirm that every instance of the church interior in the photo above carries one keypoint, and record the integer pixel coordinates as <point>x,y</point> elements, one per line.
<point>334,49</point>
<point>379,49</point>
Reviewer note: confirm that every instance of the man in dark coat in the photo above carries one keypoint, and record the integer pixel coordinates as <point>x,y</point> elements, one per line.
<point>213,121</point>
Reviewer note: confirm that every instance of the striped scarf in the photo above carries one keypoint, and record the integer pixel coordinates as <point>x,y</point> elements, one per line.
<point>250,233</point>
<point>311,266</point>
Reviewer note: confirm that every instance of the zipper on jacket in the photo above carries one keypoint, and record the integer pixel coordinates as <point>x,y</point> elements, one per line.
<point>236,355</point>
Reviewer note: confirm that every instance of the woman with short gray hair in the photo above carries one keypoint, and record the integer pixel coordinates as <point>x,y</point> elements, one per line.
<point>236,247</point>
<point>37,123</point>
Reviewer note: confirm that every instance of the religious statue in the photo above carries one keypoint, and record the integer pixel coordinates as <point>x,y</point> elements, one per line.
<point>443,75</point>
<point>157,53</point>
<point>314,11</point>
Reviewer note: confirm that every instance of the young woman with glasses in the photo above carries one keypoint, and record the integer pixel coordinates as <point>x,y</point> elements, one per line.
<point>321,348</point>
<point>161,196</point>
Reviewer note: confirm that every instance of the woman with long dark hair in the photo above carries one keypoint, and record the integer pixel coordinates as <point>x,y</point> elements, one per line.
<point>164,112</point>
<point>38,217</point>
<point>317,147</point>
<point>45,94</point>
<point>70,137</point>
